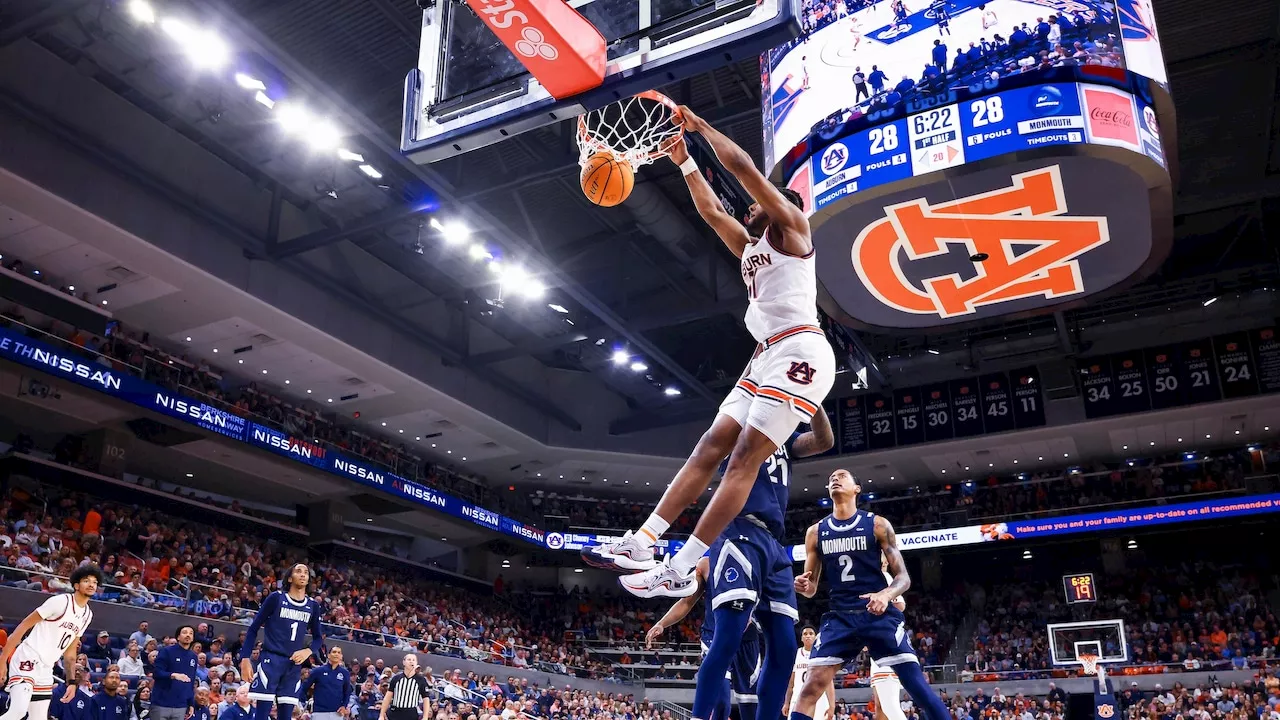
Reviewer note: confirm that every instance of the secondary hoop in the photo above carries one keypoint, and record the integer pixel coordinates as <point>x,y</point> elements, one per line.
<point>636,130</point>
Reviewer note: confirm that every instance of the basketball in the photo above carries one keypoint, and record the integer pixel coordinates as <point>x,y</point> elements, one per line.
<point>605,180</point>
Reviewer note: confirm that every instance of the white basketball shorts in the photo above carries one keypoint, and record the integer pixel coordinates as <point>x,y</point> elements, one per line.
<point>784,383</point>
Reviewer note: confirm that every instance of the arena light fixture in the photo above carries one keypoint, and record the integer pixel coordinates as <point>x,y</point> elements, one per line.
<point>620,357</point>
<point>477,252</point>
<point>345,154</point>
<point>577,570</point>
<point>188,339</point>
<point>558,308</point>
<point>1041,457</point>
<point>1266,427</point>
<point>671,391</point>
<point>323,136</point>
<point>191,475</point>
<point>1207,436</point>
<point>1210,301</point>
<point>249,82</point>
<point>534,289</point>
<point>371,171</point>
<point>638,366</point>
<point>1237,432</point>
<point>293,117</point>
<point>513,275</point>
<point>1124,447</point>
<point>71,288</point>
<point>142,11</point>
<point>1179,439</point>
<point>286,382</point>
<point>932,351</point>
<point>262,99</point>
<point>1153,443</point>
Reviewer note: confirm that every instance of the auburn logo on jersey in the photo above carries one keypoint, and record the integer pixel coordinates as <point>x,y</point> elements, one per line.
<point>26,665</point>
<point>1019,239</point>
<point>801,372</point>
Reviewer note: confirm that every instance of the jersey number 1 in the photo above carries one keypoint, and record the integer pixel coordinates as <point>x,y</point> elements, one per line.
<point>293,630</point>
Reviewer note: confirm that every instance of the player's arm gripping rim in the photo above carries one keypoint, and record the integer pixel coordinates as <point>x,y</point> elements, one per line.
<point>731,232</point>
<point>877,602</point>
<point>681,608</point>
<point>806,583</point>
<point>818,440</point>
<point>782,214</point>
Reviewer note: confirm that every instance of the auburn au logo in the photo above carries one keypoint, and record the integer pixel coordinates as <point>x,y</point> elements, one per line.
<point>1106,710</point>
<point>1030,216</point>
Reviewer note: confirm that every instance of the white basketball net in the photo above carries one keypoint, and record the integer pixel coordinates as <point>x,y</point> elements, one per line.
<point>1089,663</point>
<point>637,130</point>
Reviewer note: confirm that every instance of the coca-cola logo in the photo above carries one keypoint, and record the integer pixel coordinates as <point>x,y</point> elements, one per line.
<point>1118,118</point>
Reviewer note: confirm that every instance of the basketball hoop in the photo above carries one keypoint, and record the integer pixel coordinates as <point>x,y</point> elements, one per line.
<point>636,130</point>
<point>1089,663</point>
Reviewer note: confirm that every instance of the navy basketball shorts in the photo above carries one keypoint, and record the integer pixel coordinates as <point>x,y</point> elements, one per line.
<point>745,669</point>
<point>750,566</point>
<point>276,678</point>
<point>844,633</point>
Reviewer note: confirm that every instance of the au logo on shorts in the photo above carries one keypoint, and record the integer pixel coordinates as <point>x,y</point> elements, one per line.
<point>1026,243</point>
<point>26,665</point>
<point>800,372</point>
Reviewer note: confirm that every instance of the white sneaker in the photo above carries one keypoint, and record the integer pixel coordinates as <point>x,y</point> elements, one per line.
<point>626,555</point>
<point>661,581</point>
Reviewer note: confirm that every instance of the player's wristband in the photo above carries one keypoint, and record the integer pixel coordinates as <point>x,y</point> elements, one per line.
<point>688,167</point>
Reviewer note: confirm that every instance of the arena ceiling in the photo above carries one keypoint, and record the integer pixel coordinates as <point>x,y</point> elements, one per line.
<point>649,276</point>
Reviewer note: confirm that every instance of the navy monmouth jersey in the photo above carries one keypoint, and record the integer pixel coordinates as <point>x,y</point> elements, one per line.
<point>332,688</point>
<point>771,491</point>
<point>285,624</point>
<point>850,560</point>
<point>112,707</point>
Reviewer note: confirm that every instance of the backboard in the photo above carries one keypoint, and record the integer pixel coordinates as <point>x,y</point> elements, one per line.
<point>1103,638</point>
<point>469,90</point>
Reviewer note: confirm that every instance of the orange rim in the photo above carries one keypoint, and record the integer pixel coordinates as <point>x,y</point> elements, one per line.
<point>587,138</point>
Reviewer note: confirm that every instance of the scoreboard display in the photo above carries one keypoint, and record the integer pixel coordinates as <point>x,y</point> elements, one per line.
<point>1226,366</point>
<point>1080,588</point>
<point>965,132</point>
<point>991,403</point>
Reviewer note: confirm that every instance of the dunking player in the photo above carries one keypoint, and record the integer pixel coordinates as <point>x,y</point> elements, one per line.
<point>783,385</point>
<point>847,545</point>
<point>285,618</point>
<point>740,683</point>
<point>56,627</point>
<point>753,576</point>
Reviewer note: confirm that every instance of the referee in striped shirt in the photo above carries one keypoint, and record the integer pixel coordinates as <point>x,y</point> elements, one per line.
<point>408,689</point>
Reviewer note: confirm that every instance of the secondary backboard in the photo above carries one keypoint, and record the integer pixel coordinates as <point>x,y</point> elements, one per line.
<point>469,90</point>
<point>1103,638</point>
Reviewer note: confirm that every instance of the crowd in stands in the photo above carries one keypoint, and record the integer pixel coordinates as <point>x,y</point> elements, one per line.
<point>156,560</point>
<point>452,695</point>
<point>1085,37</point>
<point>1193,615</point>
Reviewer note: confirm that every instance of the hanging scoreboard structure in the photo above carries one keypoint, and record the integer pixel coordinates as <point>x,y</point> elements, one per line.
<point>1080,588</point>
<point>990,403</point>
<point>1223,367</point>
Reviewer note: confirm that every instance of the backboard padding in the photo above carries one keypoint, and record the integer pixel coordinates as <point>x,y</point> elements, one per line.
<point>469,90</point>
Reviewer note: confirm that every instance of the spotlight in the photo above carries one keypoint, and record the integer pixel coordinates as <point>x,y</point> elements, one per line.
<point>142,11</point>
<point>323,136</point>
<point>345,154</point>
<point>558,308</point>
<point>931,351</point>
<point>638,366</point>
<point>263,100</point>
<point>671,391</point>
<point>371,171</point>
<point>1210,301</point>
<point>477,252</point>
<point>248,82</point>
<point>534,289</point>
<point>293,118</point>
<point>620,357</point>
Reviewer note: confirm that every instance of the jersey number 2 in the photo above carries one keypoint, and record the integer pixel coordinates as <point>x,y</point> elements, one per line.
<point>846,568</point>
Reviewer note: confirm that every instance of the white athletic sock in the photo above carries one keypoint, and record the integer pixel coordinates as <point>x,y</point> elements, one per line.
<point>19,701</point>
<point>38,710</point>
<point>688,556</point>
<point>889,699</point>
<point>651,530</point>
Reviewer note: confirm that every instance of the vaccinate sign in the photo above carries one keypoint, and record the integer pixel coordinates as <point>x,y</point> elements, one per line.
<point>94,375</point>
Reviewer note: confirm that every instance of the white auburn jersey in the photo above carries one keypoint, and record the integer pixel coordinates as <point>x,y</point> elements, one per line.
<point>782,289</point>
<point>62,624</point>
<point>801,670</point>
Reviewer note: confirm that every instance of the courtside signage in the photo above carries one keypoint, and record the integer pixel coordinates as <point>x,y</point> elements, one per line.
<point>96,376</point>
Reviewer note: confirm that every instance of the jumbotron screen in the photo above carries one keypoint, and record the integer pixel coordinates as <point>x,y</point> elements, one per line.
<point>857,57</point>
